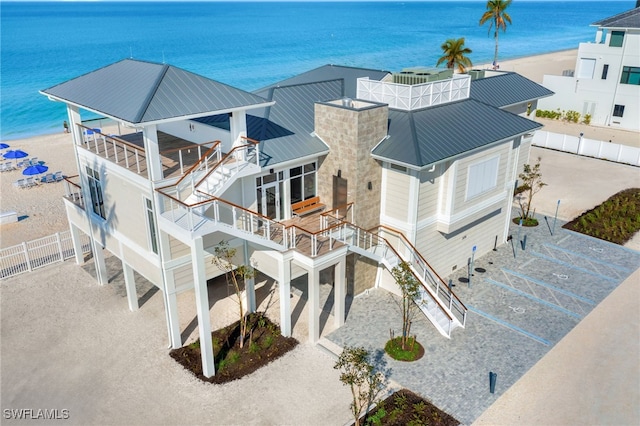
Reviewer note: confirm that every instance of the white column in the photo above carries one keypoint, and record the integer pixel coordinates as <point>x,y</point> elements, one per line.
<point>152,150</point>
<point>340,293</point>
<point>314,303</point>
<point>284,286</point>
<point>202,306</point>
<point>238,127</point>
<point>169,292</point>
<point>250,284</point>
<point>130,286</point>
<point>98,260</point>
<point>77,244</point>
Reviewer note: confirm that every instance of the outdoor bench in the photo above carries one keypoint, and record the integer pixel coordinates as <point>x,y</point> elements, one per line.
<point>309,205</point>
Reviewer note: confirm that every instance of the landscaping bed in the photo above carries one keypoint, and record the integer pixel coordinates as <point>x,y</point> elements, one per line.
<point>615,220</point>
<point>406,408</point>
<point>263,345</point>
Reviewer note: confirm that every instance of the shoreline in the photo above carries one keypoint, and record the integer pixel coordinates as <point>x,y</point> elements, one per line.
<point>42,211</point>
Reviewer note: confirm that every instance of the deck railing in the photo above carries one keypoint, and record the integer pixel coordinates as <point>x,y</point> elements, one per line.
<point>182,154</point>
<point>73,190</point>
<point>114,149</point>
<point>343,213</point>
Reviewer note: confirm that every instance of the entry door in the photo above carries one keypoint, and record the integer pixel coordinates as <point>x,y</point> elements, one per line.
<point>271,201</point>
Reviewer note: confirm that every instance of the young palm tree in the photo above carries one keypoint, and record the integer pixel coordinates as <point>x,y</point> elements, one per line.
<point>497,18</point>
<point>455,54</point>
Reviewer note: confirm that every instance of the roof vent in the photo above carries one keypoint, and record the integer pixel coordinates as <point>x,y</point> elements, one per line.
<point>347,102</point>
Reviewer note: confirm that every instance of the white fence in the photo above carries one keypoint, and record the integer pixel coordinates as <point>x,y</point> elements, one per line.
<point>35,254</point>
<point>588,147</point>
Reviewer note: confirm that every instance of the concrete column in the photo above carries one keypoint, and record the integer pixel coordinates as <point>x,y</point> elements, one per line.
<point>98,260</point>
<point>171,307</point>
<point>340,293</point>
<point>77,244</point>
<point>202,306</point>
<point>314,305</point>
<point>250,284</point>
<point>238,127</point>
<point>284,286</point>
<point>130,286</point>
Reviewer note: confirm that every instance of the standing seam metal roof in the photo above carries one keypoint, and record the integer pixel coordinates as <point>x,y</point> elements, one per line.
<point>506,89</point>
<point>447,130</point>
<point>137,92</point>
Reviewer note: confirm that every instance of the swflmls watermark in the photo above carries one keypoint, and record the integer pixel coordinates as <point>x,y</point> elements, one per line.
<point>35,414</point>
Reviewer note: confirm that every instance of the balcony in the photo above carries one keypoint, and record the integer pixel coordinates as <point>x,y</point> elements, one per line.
<point>127,150</point>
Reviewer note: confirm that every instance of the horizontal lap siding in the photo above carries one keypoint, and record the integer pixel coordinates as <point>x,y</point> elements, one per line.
<point>178,249</point>
<point>397,195</point>
<point>442,252</point>
<point>429,192</point>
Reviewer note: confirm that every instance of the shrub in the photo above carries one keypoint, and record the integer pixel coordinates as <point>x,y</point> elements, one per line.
<point>587,119</point>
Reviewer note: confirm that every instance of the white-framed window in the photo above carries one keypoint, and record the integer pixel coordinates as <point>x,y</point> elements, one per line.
<point>397,168</point>
<point>151,225</point>
<point>95,189</point>
<point>482,177</point>
<point>303,182</point>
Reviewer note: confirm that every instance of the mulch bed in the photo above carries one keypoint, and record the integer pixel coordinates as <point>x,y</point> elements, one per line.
<point>264,345</point>
<point>406,408</point>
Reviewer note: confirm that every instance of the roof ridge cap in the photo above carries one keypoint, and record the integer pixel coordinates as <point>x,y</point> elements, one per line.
<point>145,105</point>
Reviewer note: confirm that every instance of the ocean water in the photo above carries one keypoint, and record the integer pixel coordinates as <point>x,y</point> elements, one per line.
<point>250,45</point>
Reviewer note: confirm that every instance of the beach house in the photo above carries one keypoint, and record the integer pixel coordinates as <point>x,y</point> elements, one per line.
<point>606,81</point>
<point>337,175</point>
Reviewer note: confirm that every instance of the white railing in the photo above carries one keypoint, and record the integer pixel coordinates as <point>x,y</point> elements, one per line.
<point>35,254</point>
<point>432,294</point>
<point>588,147</point>
<point>409,97</point>
<point>114,149</point>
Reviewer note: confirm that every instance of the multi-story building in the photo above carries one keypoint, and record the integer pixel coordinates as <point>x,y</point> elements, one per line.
<point>338,170</point>
<point>606,81</point>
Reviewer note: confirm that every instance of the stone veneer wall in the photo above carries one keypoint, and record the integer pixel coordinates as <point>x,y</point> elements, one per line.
<point>351,133</point>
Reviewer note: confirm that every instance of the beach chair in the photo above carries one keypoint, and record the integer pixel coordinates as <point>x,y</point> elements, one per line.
<point>48,178</point>
<point>58,177</point>
<point>20,183</point>
<point>34,161</point>
<point>31,182</point>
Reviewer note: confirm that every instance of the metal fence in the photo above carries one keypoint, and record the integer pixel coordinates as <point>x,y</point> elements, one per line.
<point>35,254</point>
<point>588,147</point>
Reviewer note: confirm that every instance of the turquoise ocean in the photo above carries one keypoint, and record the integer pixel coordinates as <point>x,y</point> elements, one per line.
<point>253,44</point>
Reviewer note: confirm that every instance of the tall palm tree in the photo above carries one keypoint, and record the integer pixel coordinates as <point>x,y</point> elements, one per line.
<point>497,18</point>
<point>454,54</point>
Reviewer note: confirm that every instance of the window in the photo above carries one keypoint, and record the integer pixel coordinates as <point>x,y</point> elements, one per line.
<point>151,226</point>
<point>630,75</point>
<point>397,168</point>
<point>586,68</point>
<point>482,177</point>
<point>605,70</point>
<point>618,110</point>
<point>617,37</point>
<point>303,182</point>
<point>95,190</point>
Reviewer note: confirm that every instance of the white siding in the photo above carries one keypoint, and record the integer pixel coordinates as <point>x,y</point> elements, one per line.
<point>429,193</point>
<point>396,194</point>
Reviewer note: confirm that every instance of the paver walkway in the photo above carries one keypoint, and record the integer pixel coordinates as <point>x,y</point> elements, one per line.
<point>521,303</point>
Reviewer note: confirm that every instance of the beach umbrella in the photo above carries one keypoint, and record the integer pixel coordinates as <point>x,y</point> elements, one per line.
<point>34,170</point>
<point>15,154</point>
<point>3,145</point>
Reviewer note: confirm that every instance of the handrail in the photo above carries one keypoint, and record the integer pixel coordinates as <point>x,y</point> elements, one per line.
<point>201,159</point>
<point>324,215</point>
<point>222,161</point>
<point>168,151</point>
<point>436,299</point>
<point>122,141</point>
<point>418,254</point>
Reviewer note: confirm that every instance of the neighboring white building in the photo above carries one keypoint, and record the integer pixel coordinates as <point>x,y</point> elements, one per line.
<point>420,173</point>
<point>606,80</point>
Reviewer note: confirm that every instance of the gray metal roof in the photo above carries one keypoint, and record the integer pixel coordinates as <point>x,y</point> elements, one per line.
<point>284,129</point>
<point>424,137</point>
<point>138,92</point>
<point>350,76</point>
<point>628,19</point>
<point>507,89</point>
